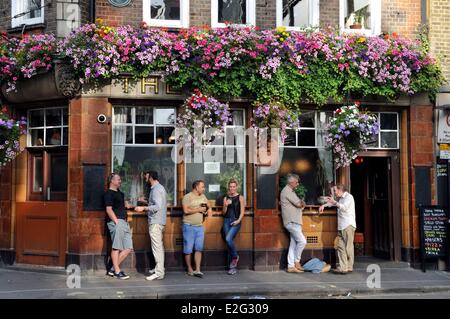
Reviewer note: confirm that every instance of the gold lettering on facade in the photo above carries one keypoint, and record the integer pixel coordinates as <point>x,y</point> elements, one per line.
<point>126,84</point>
<point>152,82</point>
<point>171,91</point>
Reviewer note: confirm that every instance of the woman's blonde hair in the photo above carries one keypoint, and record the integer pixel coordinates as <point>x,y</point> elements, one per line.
<point>233,181</point>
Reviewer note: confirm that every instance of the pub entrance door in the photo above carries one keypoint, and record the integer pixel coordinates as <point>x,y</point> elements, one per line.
<point>375,185</point>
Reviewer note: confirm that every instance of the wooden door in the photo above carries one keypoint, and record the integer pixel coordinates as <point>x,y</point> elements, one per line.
<point>41,233</point>
<point>379,206</point>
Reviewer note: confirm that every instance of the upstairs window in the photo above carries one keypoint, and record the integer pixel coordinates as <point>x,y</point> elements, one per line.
<point>297,14</point>
<point>360,16</point>
<point>166,13</point>
<point>27,12</point>
<point>240,12</point>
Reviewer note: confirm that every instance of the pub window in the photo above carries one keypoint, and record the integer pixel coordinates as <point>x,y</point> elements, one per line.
<point>360,16</point>
<point>167,13</point>
<point>27,12</point>
<point>305,154</point>
<point>231,163</point>
<point>240,12</point>
<point>47,141</point>
<point>297,14</point>
<point>389,134</point>
<point>143,139</point>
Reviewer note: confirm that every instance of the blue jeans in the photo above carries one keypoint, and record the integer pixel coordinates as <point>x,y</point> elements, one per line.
<point>229,233</point>
<point>193,237</point>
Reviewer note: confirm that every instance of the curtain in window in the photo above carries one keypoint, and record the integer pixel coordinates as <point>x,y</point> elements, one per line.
<point>120,134</point>
<point>232,11</point>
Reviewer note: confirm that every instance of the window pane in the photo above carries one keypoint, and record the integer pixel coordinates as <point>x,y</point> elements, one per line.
<point>38,174</point>
<point>315,168</point>
<point>291,139</point>
<point>308,119</point>
<point>33,6</point>
<point>357,14</point>
<point>217,180</point>
<point>36,118</point>
<point>373,143</point>
<point>307,138</point>
<point>37,137</point>
<point>53,117</point>
<point>389,140</point>
<point>58,173</point>
<point>53,136</point>
<point>165,9</point>
<point>235,136</point>
<point>144,135</point>
<point>122,114</point>
<point>165,116</point>
<point>65,136</point>
<point>237,118</point>
<point>122,134</point>
<point>323,118</point>
<point>130,162</point>
<point>388,121</point>
<point>65,116</point>
<point>164,135</point>
<point>295,13</point>
<point>144,115</point>
<point>232,11</point>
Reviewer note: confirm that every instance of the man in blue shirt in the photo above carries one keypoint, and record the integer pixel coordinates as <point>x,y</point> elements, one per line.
<point>157,211</point>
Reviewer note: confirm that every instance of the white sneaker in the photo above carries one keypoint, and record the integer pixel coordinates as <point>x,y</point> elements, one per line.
<point>154,277</point>
<point>152,271</point>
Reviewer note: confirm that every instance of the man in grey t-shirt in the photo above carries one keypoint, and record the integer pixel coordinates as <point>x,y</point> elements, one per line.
<point>291,211</point>
<point>157,211</point>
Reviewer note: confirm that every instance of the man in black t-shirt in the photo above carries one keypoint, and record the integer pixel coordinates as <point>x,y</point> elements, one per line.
<point>116,211</point>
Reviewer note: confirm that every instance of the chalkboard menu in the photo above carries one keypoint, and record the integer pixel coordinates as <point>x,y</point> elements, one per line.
<point>433,223</point>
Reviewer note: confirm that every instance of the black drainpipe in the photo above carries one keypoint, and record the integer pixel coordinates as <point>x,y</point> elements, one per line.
<point>91,14</point>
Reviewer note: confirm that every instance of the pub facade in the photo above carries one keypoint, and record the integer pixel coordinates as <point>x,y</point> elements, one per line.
<point>50,196</point>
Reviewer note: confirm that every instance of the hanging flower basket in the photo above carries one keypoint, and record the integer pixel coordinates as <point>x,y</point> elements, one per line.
<point>348,133</point>
<point>10,131</point>
<point>200,112</point>
<point>273,115</point>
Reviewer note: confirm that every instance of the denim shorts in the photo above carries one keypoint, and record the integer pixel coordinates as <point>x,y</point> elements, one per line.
<point>193,237</point>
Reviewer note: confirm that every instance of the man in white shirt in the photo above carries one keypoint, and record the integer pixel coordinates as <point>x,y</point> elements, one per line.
<point>346,227</point>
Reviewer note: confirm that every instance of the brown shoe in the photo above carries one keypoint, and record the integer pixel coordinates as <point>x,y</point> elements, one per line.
<point>326,268</point>
<point>299,266</point>
<point>338,271</point>
<point>294,270</point>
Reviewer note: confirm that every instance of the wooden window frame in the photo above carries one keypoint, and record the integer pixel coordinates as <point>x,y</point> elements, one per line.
<point>46,154</point>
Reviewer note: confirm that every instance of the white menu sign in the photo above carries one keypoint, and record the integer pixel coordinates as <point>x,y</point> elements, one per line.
<point>444,126</point>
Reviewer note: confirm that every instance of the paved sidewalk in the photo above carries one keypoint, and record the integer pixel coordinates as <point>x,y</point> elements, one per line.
<point>395,278</point>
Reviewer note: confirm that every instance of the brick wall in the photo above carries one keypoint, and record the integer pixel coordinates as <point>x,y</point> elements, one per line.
<point>439,23</point>
<point>329,13</point>
<point>401,16</point>
<point>5,206</point>
<point>421,143</point>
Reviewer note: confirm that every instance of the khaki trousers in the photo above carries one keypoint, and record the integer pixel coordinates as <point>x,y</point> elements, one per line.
<point>345,249</point>
<point>156,232</point>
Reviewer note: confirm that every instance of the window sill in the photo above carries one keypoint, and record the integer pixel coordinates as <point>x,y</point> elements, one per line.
<point>28,27</point>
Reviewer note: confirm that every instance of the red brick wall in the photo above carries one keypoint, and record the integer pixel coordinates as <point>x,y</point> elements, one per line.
<point>421,146</point>
<point>401,16</point>
<point>5,206</point>
<point>89,142</point>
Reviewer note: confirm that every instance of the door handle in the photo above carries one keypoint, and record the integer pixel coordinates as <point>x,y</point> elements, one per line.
<point>48,193</point>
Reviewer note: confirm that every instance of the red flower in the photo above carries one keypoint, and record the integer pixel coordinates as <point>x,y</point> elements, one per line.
<point>357,103</point>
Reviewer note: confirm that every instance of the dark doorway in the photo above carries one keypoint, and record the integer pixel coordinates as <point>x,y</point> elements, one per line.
<point>372,181</point>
